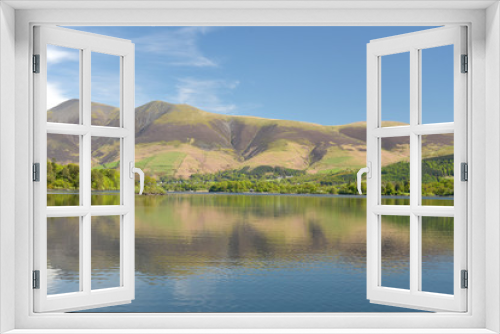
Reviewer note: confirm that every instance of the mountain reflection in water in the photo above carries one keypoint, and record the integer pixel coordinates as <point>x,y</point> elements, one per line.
<point>240,253</point>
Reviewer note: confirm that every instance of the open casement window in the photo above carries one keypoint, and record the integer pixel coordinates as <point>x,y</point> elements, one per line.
<point>67,137</point>
<point>397,233</point>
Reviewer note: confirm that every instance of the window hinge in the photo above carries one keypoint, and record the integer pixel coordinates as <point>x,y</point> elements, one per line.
<point>464,171</point>
<point>36,172</point>
<point>465,64</point>
<point>36,63</point>
<point>36,279</point>
<point>465,279</point>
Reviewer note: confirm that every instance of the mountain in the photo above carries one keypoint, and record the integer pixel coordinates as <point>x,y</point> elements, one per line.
<point>64,148</point>
<point>68,112</point>
<point>180,140</point>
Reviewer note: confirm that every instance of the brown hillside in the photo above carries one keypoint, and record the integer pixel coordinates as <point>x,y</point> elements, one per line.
<point>181,140</point>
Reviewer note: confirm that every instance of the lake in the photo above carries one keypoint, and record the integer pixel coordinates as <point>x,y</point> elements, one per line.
<point>250,253</point>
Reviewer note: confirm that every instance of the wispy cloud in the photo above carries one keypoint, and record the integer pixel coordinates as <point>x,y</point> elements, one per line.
<point>178,47</point>
<point>61,84</point>
<point>205,94</point>
<point>58,55</point>
<point>106,88</point>
<point>55,95</point>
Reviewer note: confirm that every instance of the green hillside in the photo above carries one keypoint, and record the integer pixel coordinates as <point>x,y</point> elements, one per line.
<point>181,142</point>
<point>437,180</point>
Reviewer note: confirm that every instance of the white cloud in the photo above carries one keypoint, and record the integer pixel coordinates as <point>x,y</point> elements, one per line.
<point>195,288</point>
<point>58,55</point>
<point>205,94</point>
<point>106,88</point>
<point>55,95</point>
<point>179,47</point>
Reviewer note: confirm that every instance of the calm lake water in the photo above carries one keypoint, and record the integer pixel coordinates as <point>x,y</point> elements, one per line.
<point>250,253</point>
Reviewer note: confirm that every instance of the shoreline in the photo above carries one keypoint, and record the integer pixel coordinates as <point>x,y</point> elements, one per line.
<point>114,192</point>
<point>305,195</point>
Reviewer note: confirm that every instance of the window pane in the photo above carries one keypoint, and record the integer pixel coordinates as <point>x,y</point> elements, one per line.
<point>63,85</point>
<point>395,89</point>
<point>63,255</point>
<point>63,170</point>
<point>105,89</point>
<point>437,84</point>
<point>437,169</point>
<point>395,171</point>
<point>395,235</point>
<point>105,174</point>
<point>437,254</point>
<point>105,252</point>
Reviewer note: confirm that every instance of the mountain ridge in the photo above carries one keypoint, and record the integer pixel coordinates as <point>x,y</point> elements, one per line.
<point>180,140</point>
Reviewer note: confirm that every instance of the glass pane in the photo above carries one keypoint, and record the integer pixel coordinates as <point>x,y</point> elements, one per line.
<point>437,84</point>
<point>63,255</point>
<point>105,174</point>
<point>437,254</point>
<point>63,85</point>
<point>105,252</point>
<point>395,171</point>
<point>437,169</point>
<point>395,234</point>
<point>105,89</point>
<point>395,89</point>
<point>63,170</point>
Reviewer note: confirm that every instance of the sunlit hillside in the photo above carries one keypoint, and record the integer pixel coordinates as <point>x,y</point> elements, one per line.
<point>180,140</point>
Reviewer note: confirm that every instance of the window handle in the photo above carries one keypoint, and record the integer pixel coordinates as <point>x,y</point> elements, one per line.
<point>139,171</point>
<point>368,171</point>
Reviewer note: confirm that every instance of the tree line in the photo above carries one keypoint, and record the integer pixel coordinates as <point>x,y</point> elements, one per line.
<point>437,180</point>
<point>67,177</point>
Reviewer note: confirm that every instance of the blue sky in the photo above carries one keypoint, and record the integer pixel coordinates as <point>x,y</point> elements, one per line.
<point>312,74</point>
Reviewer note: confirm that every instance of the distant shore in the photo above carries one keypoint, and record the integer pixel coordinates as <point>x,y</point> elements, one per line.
<point>114,192</point>
<point>299,195</point>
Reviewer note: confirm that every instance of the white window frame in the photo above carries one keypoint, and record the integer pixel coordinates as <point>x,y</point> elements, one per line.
<point>483,314</point>
<point>86,44</point>
<point>414,44</point>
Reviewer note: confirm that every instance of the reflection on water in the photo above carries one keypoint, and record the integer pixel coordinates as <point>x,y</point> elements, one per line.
<point>395,252</point>
<point>240,253</point>
<point>405,200</point>
<point>63,255</point>
<point>105,250</point>
<point>71,198</point>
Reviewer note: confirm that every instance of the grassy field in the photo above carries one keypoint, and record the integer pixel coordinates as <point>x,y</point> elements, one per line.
<point>167,162</point>
<point>180,140</point>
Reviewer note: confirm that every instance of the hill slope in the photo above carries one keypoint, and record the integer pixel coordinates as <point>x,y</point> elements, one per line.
<point>180,140</point>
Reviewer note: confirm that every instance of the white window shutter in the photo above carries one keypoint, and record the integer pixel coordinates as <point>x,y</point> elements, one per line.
<point>85,297</point>
<point>414,297</point>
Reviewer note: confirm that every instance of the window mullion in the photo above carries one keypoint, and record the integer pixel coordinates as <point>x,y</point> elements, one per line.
<point>86,121</point>
<point>81,227</point>
<point>415,259</point>
<point>434,129</point>
<point>415,266</point>
<point>415,190</point>
<point>85,173</point>
<point>85,274</point>
<point>85,170</point>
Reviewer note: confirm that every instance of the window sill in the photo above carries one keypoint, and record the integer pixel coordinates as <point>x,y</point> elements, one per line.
<point>252,331</point>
